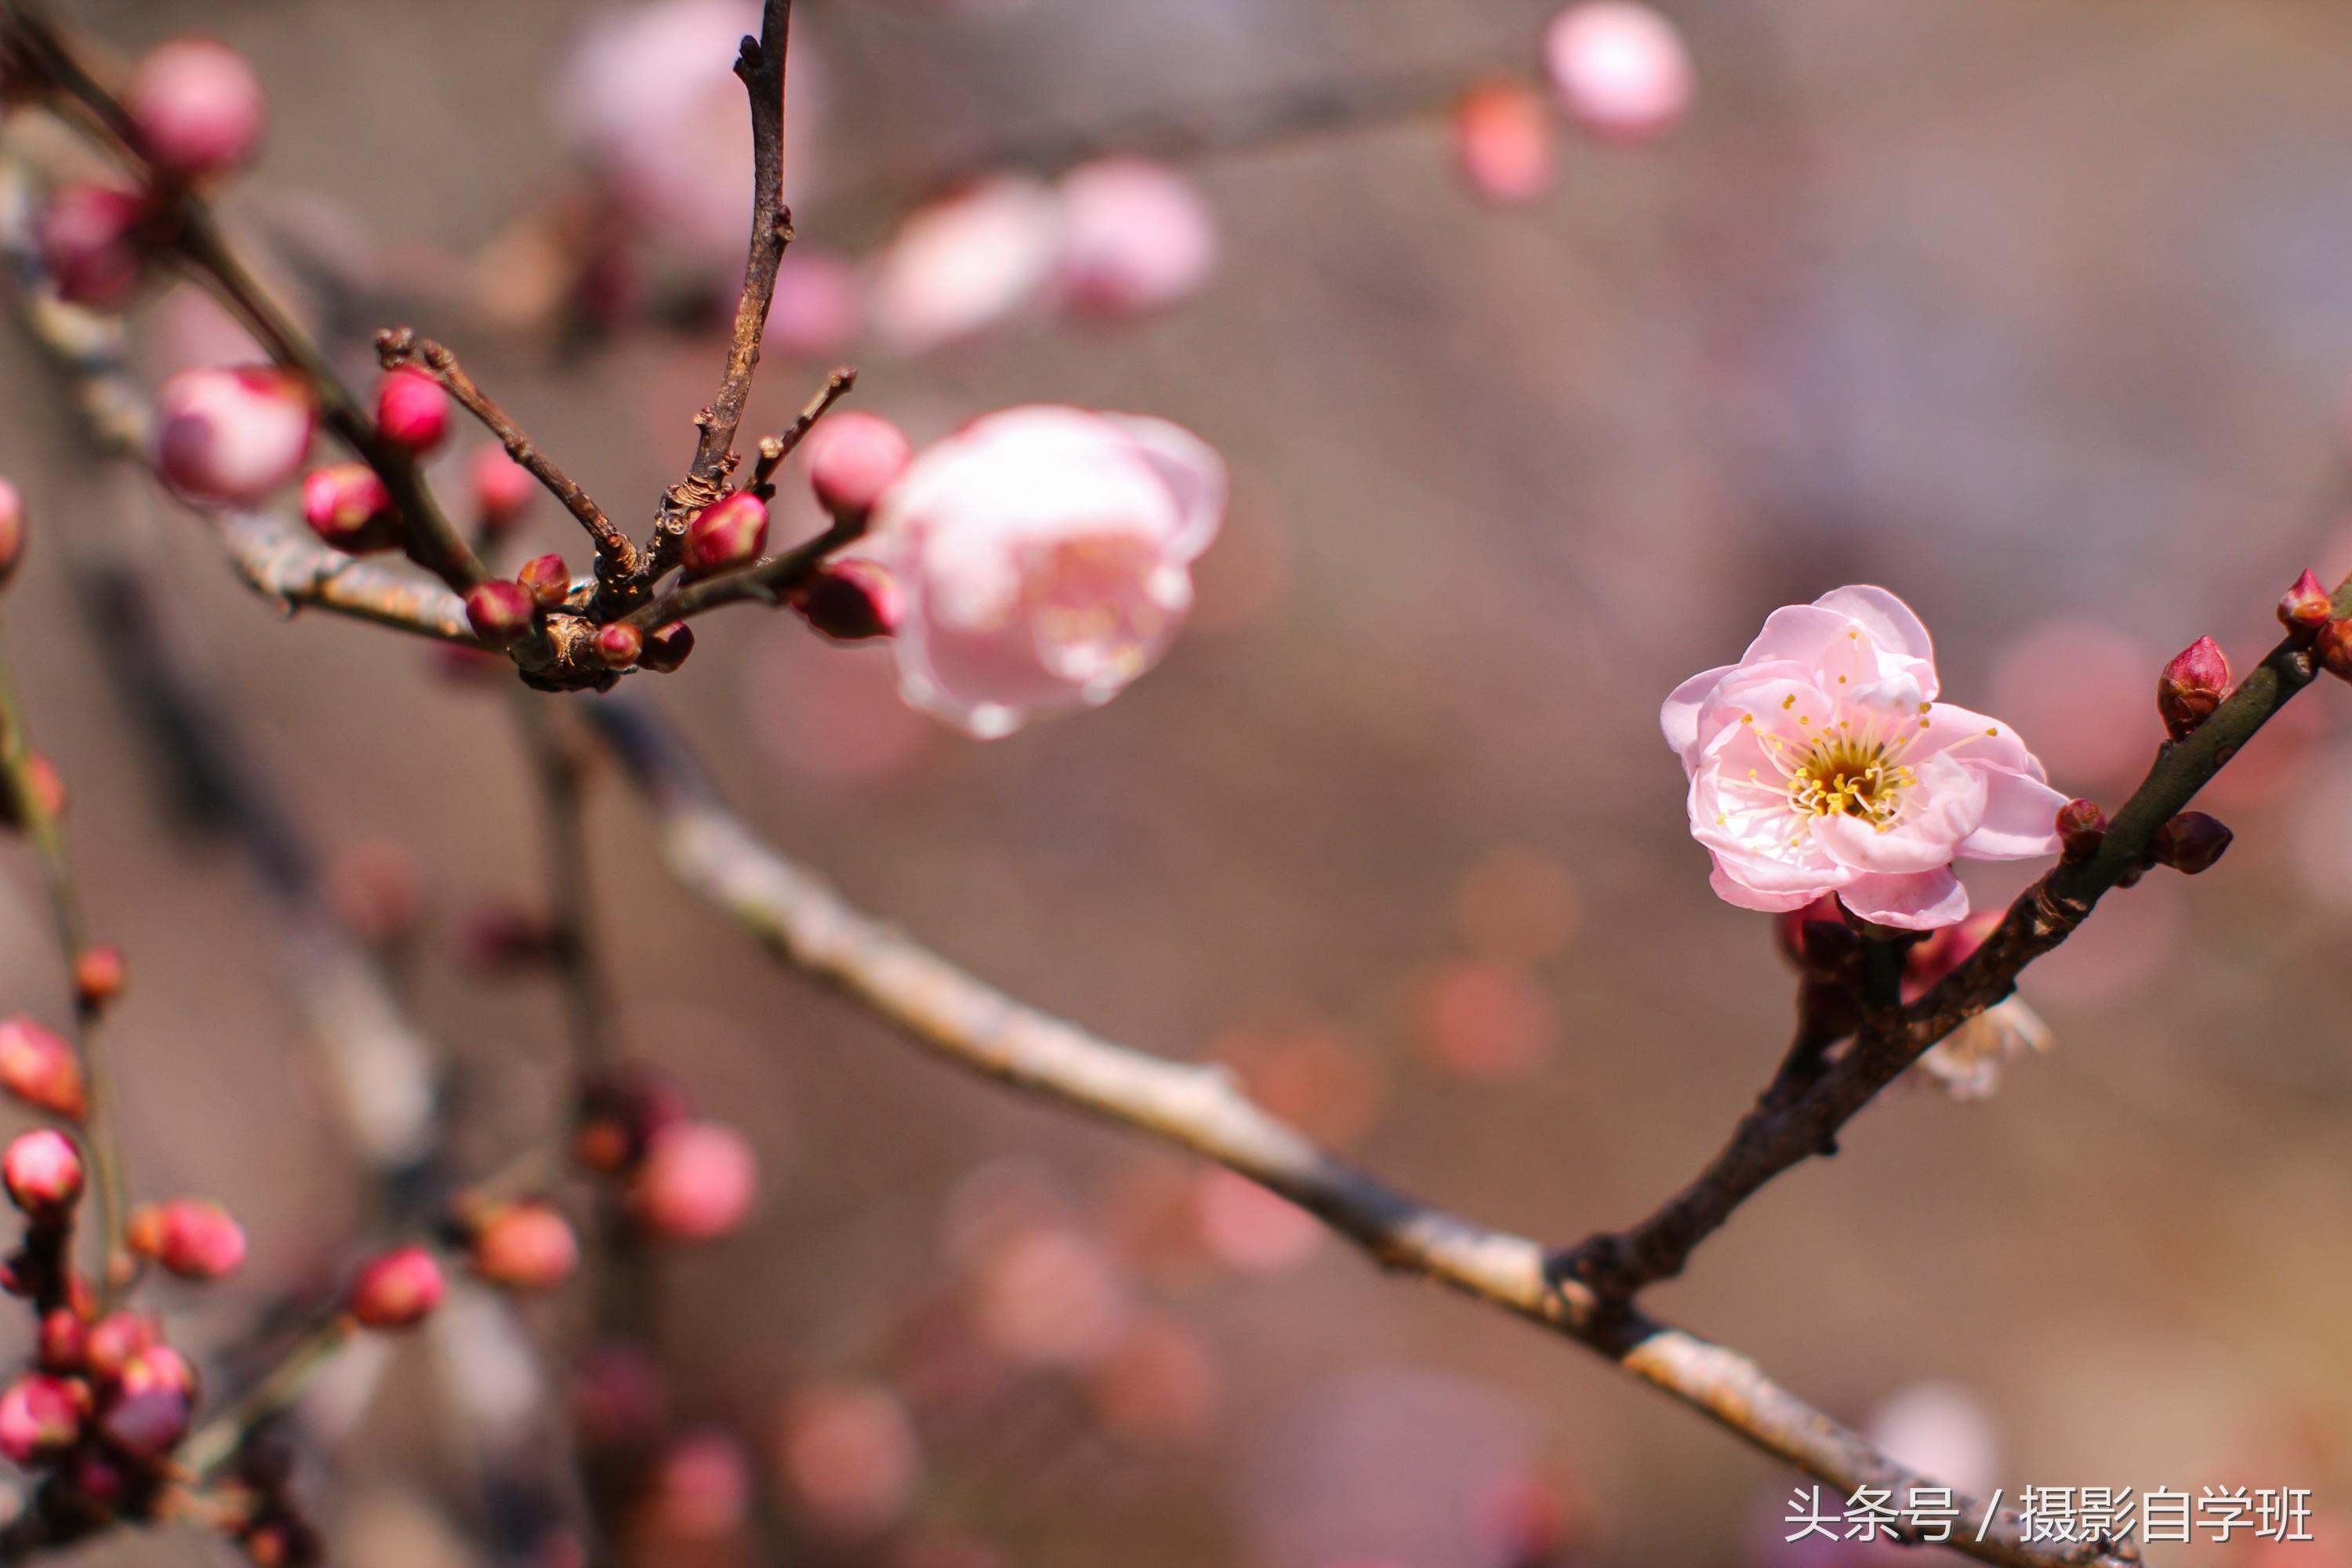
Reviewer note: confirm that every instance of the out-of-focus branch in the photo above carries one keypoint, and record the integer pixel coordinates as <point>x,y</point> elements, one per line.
<point>1774,1138</point>
<point>298,573</point>
<point>805,923</point>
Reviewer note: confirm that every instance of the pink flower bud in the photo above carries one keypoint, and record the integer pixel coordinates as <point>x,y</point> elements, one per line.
<point>2190,842</point>
<point>852,457</point>
<point>525,1247</point>
<point>850,601</point>
<point>347,506</point>
<point>41,1417</point>
<point>500,610</point>
<point>547,579</point>
<point>1045,558</point>
<point>667,648</point>
<point>698,1182</point>
<point>99,975</point>
<point>147,1412</point>
<point>1620,68</point>
<point>97,1480</point>
<point>12,532</point>
<point>117,1339</point>
<point>91,244</point>
<point>192,1237</point>
<point>41,1069</point>
<point>397,1290</point>
<point>1135,238</point>
<point>43,1174</point>
<point>2082,828</point>
<point>731,533</point>
<point>620,645</point>
<point>1503,137</point>
<point>621,1110</point>
<point>503,489</point>
<point>2191,687</point>
<point>2306,607</point>
<point>2334,648</point>
<point>230,436</point>
<point>197,107</point>
<point>61,1339</point>
<point>412,411</point>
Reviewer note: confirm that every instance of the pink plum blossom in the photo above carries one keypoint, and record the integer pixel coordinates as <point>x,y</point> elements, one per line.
<point>230,436</point>
<point>1822,763</point>
<point>964,263</point>
<point>1620,68</point>
<point>197,106</point>
<point>1044,554</point>
<point>1136,237</point>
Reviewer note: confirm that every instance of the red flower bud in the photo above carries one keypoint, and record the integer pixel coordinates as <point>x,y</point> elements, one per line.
<point>41,1417</point>
<point>2304,608</point>
<point>2334,646</point>
<point>2191,687</point>
<point>2082,828</point>
<point>501,611</point>
<point>97,1480</point>
<point>42,1171</point>
<point>91,244</point>
<point>731,533</point>
<point>197,108</point>
<point>2190,842</point>
<point>547,579</point>
<point>397,1290</point>
<point>502,938</point>
<point>62,1339</point>
<point>621,1110</point>
<point>117,1339</point>
<point>12,532</point>
<point>524,1247</point>
<point>347,506</point>
<point>698,1182</point>
<point>100,975</point>
<point>667,648</point>
<point>412,411</point>
<point>852,457</point>
<point>851,600</point>
<point>192,1237</point>
<point>620,645</point>
<point>40,1070</point>
<point>148,1411</point>
<point>503,489</point>
<point>47,790</point>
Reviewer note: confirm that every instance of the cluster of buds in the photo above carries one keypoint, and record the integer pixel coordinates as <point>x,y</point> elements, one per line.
<point>682,1178</point>
<point>852,460</point>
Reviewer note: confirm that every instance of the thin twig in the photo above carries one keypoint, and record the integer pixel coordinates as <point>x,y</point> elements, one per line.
<point>806,923</point>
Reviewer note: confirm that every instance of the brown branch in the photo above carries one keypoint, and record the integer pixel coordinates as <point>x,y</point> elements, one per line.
<point>1775,1137</point>
<point>803,922</point>
<point>298,573</point>
<point>618,560</point>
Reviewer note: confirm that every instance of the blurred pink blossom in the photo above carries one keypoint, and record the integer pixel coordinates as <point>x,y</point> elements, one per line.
<point>198,107</point>
<point>819,305</point>
<point>1245,1226</point>
<point>1822,763</point>
<point>1045,554</point>
<point>1136,237</point>
<point>848,1454</point>
<point>1620,68</point>
<point>962,264</point>
<point>1503,135</point>
<point>231,437</point>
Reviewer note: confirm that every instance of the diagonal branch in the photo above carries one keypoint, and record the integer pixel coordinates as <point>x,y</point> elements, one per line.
<point>804,924</point>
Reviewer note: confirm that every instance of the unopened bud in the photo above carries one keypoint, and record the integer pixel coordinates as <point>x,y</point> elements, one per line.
<point>117,1339</point>
<point>231,435</point>
<point>41,783</point>
<point>503,490</point>
<point>524,1247</point>
<point>60,1341</point>
<point>148,1411</point>
<point>731,533</point>
<point>667,648</point>
<point>2191,687</point>
<point>2082,828</point>
<point>851,601</point>
<point>39,1069</point>
<point>697,1183</point>
<point>500,610</point>
<point>2304,608</point>
<point>41,1417</point>
<point>2190,842</point>
<point>98,1481</point>
<point>412,411</point>
<point>192,1237</point>
<point>2335,648</point>
<point>197,108</point>
<point>42,1171</point>
<point>620,645</point>
<point>90,245</point>
<point>397,1290</point>
<point>348,507</point>
<point>547,579</point>
<point>12,532</point>
<point>502,938</point>
<point>100,975</point>
<point>852,457</point>
<point>621,1110</point>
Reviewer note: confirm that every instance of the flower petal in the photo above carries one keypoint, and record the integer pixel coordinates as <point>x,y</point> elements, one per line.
<point>1679,718</point>
<point>1731,891</point>
<point>1799,632</point>
<point>1920,901</point>
<point>2020,819</point>
<point>1889,621</point>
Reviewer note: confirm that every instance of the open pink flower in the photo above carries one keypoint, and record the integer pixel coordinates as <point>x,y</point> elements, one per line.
<point>1822,763</point>
<point>1046,555</point>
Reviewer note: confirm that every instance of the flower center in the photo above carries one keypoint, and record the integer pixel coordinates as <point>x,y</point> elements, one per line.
<point>1842,777</point>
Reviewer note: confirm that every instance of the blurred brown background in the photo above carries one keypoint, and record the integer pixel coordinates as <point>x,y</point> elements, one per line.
<point>2039,313</point>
